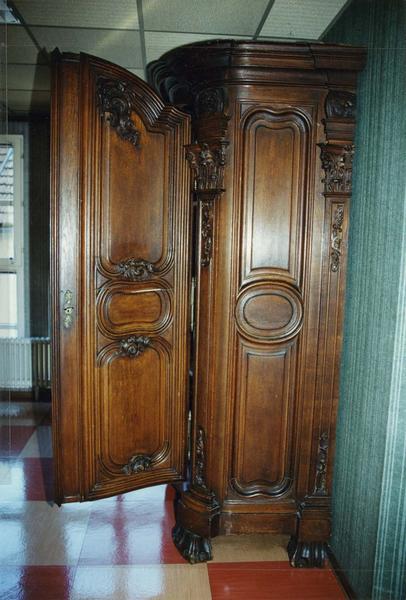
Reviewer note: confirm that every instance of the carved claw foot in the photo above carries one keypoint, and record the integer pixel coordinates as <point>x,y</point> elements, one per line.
<point>193,547</point>
<point>306,554</point>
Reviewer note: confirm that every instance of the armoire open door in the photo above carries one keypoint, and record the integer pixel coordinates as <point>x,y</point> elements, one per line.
<point>121,284</point>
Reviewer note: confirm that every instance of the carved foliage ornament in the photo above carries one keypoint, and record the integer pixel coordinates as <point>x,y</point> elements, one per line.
<point>337,165</point>
<point>207,164</point>
<point>134,346</point>
<point>136,269</point>
<point>137,464</point>
<point>116,99</point>
<point>340,105</point>
<point>200,459</point>
<point>206,233</point>
<point>336,237</point>
<point>320,488</point>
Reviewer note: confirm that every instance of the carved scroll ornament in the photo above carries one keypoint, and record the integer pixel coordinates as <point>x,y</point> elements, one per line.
<point>337,164</point>
<point>115,98</point>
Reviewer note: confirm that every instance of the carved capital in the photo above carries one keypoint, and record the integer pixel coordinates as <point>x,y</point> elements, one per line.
<point>134,346</point>
<point>340,105</point>
<point>115,99</point>
<point>207,162</point>
<point>336,161</point>
<point>136,269</point>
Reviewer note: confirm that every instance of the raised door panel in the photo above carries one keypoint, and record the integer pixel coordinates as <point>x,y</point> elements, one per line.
<point>274,167</point>
<point>269,308</point>
<point>129,281</point>
<point>263,456</point>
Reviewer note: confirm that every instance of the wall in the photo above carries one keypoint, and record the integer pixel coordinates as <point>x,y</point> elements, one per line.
<point>35,130</point>
<point>369,520</point>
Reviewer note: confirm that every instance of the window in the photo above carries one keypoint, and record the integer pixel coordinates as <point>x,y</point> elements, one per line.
<point>11,237</point>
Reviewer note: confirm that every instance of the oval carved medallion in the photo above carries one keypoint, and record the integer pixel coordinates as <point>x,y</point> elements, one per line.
<point>269,311</point>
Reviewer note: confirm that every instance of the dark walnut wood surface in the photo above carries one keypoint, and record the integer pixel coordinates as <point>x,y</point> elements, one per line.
<point>270,160</point>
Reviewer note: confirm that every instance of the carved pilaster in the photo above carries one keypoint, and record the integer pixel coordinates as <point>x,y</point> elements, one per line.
<point>207,163</point>
<point>336,156</point>
<point>115,100</point>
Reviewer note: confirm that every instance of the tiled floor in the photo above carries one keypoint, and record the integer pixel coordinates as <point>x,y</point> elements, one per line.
<point>120,548</point>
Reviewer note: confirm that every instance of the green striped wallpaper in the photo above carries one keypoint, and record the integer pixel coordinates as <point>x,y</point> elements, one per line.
<point>369,528</point>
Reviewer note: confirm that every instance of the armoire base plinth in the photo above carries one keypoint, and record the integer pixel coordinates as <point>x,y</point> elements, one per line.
<point>197,521</point>
<point>308,546</point>
<point>192,547</point>
<point>306,554</point>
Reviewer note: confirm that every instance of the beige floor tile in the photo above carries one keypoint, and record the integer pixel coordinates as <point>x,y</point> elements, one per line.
<point>247,548</point>
<point>36,533</point>
<point>169,582</point>
<point>39,444</point>
<point>23,413</point>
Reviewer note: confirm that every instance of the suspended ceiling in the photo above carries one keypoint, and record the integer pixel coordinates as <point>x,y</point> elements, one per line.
<point>131,33</point>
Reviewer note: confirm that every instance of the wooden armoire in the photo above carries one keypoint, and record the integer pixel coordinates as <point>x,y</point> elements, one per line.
<point>199,256</point>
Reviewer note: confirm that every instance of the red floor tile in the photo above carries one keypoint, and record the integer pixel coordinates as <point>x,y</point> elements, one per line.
<point>27,479</point>
<point>13,439</point>
<point>272,581</point>
<point>131,531</point>
<point>36,583</point>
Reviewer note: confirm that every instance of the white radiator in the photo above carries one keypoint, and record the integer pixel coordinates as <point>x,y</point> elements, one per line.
<point>25,363</point>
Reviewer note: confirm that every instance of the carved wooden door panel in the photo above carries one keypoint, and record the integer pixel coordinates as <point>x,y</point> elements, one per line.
<point>121,225</point>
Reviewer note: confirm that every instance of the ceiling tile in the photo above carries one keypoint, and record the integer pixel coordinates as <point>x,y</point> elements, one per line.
<point>23,102</point>
<point>105,14</point>
<point>303,19</point>
<point>20,47</point>
<point>27,77</point>
<point>231,17</point>
<point>158,42</point>
<point>120,47</point>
